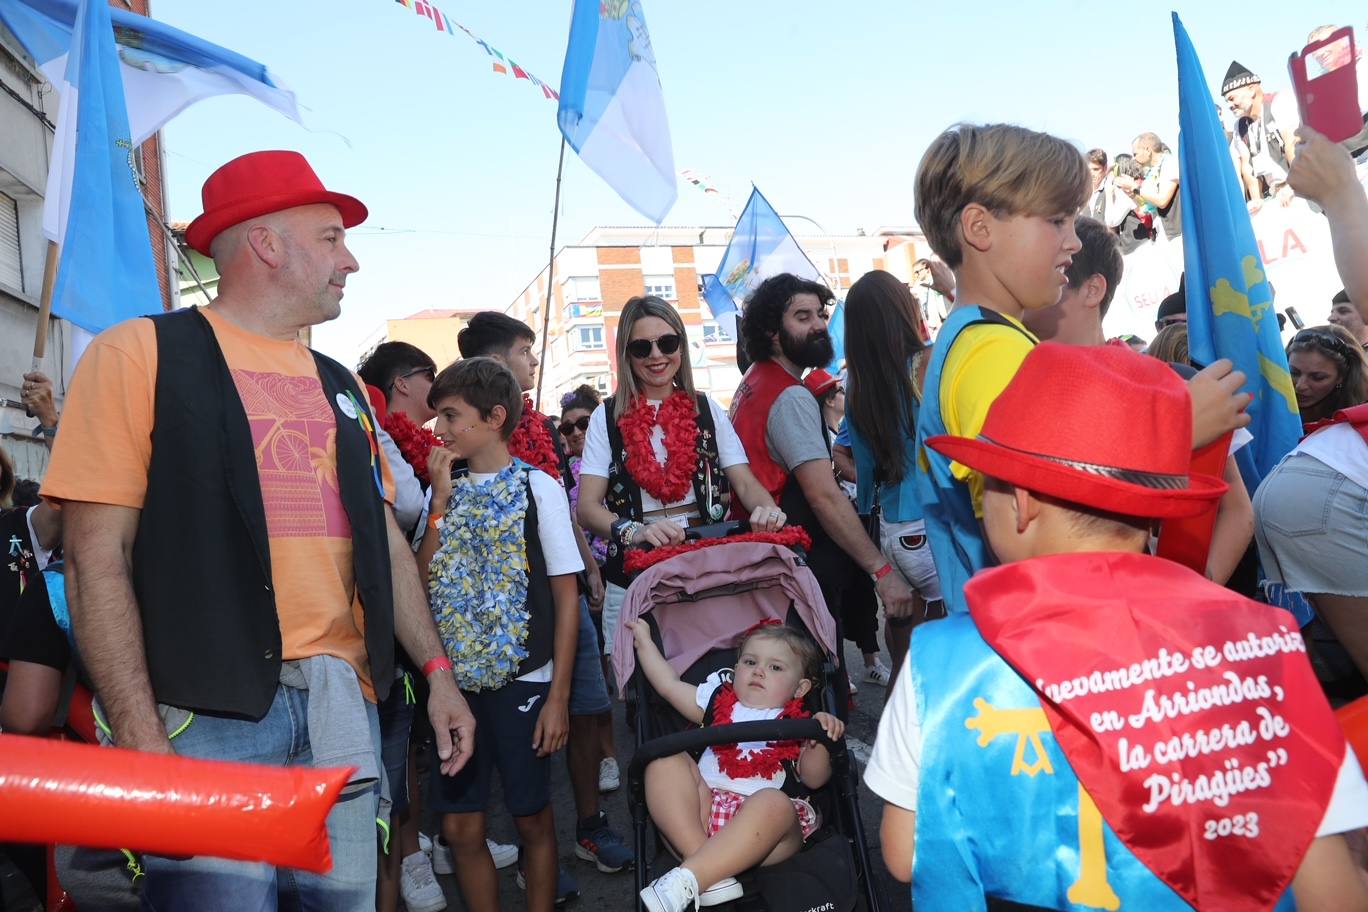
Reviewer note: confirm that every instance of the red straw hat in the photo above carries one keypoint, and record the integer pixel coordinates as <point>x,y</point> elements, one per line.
<point>1094,425</point>
<point>259,183</point>
<point>819,382</point>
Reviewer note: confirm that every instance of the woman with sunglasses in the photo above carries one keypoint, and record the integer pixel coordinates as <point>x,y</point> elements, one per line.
<point>659,456</point>
<point>1311,511</point>
<point>1329,371</point>
<point>576,407</point>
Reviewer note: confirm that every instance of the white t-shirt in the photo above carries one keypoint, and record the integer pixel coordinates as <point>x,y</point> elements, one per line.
<point>894,772</point>
<point>554,532</point>
<point>707,764</point>
<point>1341,448</point>
<point>1286,117</point>
<point>598,457</point>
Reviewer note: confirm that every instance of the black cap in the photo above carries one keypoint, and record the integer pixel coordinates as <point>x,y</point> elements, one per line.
<point>1236,77</point>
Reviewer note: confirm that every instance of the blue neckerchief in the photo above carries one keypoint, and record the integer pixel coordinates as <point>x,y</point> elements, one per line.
<point>998,810</point>
<point>956,537</point>
<point>55,582</point>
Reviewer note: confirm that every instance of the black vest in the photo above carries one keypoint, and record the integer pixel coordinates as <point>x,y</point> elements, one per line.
<point>201,558</point>
<point>710,486</point>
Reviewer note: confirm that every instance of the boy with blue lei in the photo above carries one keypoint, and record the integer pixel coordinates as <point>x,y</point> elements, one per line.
<point>501,560</point>
<point>1105,729</point>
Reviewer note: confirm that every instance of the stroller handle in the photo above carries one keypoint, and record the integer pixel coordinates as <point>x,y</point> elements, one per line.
<point>695,739</point>
<point>718,530</point>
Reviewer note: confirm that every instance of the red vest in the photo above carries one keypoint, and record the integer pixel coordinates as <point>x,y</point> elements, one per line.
<point>750,410</point>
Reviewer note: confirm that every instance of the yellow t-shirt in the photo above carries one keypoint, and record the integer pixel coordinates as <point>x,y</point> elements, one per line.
<point>983,360</point>
<point>104,450</point>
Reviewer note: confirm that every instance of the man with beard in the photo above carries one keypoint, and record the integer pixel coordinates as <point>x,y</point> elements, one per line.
<point>784,330</point>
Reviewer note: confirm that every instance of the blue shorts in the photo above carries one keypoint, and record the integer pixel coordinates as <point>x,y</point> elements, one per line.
<point>396,721</point>
<point>505,721</point>
<point>588,690</point>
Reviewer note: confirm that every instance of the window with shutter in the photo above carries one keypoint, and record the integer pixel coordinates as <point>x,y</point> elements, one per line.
<point>11,263</point>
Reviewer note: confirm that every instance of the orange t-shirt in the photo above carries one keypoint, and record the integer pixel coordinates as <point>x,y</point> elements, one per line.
<point>105,447</point>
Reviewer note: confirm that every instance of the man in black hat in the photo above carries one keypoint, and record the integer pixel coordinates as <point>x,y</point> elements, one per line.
<point>1263,139</point>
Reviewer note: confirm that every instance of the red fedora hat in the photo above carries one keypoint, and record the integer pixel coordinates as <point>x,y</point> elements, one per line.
<point>1094,425</point>
<point>259,183</point>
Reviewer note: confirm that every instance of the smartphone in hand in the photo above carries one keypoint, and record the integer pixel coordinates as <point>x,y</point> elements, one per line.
<point>1325,81</point>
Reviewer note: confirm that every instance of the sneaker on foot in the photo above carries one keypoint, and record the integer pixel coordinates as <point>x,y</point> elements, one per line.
<point>442,862</point>
<point>419,888</point>
<point>595,841</point>
<point>878,673</point>
<point>725,890</point>
<point>567,888</point>
<point>674,891</point>
<point>424,844</point>
<point>609,776</point>
<point>853,688</point>
<point>504,855</point>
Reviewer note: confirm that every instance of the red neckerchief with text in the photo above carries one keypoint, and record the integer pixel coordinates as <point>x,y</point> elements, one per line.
<point>531,441</point>
<point>1190,714</point>
<point>677,415</point>
<point>763,763</point>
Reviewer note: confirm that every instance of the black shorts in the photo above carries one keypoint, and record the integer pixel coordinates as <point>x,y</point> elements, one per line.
<point>505,721</point>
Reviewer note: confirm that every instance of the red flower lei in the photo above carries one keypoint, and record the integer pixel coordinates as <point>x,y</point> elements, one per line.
<point>635,559</point>
<point>531,441</point>
<point>680,421</point>
<point>763,763</point>
<point>414,442</point>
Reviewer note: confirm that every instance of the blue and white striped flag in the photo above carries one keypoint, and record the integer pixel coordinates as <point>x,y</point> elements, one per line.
<point>120,77</point>
<point>612,111</point>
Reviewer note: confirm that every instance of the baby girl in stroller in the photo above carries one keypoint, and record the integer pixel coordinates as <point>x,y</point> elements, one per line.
<point>739,805</point>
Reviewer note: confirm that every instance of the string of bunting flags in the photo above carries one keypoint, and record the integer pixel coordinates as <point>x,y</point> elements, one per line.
<point>499,62</point>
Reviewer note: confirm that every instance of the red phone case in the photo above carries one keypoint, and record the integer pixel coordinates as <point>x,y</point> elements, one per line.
<point>1329,103</point>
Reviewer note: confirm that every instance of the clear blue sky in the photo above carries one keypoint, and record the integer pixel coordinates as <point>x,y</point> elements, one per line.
<point>825,106</point>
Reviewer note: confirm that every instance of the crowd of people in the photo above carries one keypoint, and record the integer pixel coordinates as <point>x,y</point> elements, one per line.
<point>249,552</point>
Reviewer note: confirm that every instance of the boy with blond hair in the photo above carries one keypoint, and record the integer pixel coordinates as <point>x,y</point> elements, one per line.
<point>997,204</point>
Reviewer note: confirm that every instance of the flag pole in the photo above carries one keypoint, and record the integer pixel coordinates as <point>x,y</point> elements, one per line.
<point>45,305</point>
<point>550,272</point>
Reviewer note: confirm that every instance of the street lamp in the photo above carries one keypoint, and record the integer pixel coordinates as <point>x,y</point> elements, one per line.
<point>834,285</point>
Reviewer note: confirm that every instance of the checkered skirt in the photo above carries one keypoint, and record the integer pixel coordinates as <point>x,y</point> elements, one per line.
<point>726,803</point>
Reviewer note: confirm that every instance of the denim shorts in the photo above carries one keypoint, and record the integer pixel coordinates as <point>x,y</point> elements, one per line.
<point>906,546</point>
<point>1311,523</point>
<point>588,690</point>
<point>505,721</point>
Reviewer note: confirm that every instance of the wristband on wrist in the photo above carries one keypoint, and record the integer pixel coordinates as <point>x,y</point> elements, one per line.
<point>435,521</point>
<point>881,572</point>
<point>441,663</point>
<point>45,431</point>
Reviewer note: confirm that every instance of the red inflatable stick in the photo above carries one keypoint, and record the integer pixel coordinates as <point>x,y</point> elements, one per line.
<point>77,794</point>
<point>1353,718</point>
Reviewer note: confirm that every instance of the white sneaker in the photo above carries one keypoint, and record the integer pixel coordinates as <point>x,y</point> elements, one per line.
<point>425,844</point>
<point>442,862</point>
<point>725,890</point>
<point>504,855</point>
<point>610,779</point>
<point>419,888</point>
<point>878,673</point>
<point>674,891</point>
<point>853,688</point>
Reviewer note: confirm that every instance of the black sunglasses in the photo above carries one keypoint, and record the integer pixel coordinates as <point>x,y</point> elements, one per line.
<point>430,371</point>
<point>582,424</point>
<point>1169,321</point>
<point>667,344</point>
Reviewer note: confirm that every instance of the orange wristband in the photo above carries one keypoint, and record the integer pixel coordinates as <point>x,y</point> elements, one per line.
<point>441,663</point>
<point>435,521</point>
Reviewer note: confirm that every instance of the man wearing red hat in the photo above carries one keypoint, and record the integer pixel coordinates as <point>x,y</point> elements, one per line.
<point>1105,729</point>
<point>236,575</point>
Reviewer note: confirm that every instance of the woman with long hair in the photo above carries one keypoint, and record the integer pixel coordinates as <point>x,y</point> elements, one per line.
<point>659,456</point>
<point>1329,371</point>
<point>884,346</point>
<point>1310,509</point>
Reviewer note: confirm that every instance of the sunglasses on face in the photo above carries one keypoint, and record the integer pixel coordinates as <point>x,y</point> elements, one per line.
<point>431,374</point>
<point>579,424</point>
<point>1169,321</point>
<point>667,344</point>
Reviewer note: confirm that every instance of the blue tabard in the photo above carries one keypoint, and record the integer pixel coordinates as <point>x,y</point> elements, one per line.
<point>956,537</point>
<point>985,825</point>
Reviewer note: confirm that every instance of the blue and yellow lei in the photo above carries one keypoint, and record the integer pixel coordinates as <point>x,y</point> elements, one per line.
<point>477,581</point>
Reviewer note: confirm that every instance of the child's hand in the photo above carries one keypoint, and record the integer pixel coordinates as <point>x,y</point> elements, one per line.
<point>439,461</point>
<point>641,634</point>
<point>553,728</point>
<point>833,727</point>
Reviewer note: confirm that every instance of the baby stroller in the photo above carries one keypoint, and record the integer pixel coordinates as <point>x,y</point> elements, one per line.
<point>697,605</point>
